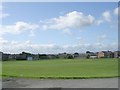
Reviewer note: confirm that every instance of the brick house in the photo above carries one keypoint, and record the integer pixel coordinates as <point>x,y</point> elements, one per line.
<point>101,54</point>
<point>105,54</point>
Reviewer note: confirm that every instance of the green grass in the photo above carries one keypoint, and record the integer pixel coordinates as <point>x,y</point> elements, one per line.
<point>0,69</point>
<point>58,69</point>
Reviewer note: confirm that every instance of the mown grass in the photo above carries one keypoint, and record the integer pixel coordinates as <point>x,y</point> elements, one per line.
<point>61,69</point>
<point>0,69</point>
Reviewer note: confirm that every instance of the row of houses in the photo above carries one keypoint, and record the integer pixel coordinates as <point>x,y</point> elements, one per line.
<point>103,54</point>
<point>88,54</point>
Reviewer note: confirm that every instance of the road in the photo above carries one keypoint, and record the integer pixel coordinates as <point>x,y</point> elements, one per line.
<point>61,83</point>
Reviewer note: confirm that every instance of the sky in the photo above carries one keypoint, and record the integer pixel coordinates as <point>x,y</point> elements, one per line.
<point>49,27</point>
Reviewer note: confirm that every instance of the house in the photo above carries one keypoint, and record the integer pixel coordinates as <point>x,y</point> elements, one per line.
<point>29,58</point>
<point>91,55</point>
<point>12,57</point>
<point>24,56</point>
<point>35,56</point>
<point>110,54</point>
<point>21,57</point>
<point>52,56</point>
<point>5,57</point>
<point>82,55</point>
<point>117,54</point>
<point>62,55</point>
<point>102,54</point>
<point>43,56</point>
<point>105,54</point>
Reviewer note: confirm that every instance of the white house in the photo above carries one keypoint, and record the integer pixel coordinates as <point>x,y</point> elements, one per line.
<point>29,58</point>
<point>93,57</point>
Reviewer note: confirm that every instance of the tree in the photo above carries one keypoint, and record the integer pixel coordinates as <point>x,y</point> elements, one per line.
<point>69,56</point>
<point>88,52</point>
<point>76,54</point>
<point>88,56</point>
<point>43,56</point>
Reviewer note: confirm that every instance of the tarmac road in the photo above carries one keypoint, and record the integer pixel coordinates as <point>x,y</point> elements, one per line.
<point>60,83</point>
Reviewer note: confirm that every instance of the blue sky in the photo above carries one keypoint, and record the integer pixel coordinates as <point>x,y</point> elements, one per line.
<point>58,27</point>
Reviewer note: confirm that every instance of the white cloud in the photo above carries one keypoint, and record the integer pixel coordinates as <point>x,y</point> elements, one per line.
<point>3,41</point>
<point>32,34</point>
<point>70,20</point>
<point>102,37</point>
<point>98,22</point>
<point>17,28</point>
<point>28,46</point>
<point>67,31</point>
<point>106,16</point>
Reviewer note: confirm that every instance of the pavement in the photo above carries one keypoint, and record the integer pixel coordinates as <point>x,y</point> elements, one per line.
<point>60,83</point>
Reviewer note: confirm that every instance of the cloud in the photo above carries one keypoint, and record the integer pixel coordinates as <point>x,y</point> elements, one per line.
<point>67,31</point>
<point>17,28</point>
<point>98,22</point>
<point>28,46</point>
<point>103,36</point>
<point>3,41</point>
<point>106,16</point>
<point>65,23</point>
<point>70,20</point>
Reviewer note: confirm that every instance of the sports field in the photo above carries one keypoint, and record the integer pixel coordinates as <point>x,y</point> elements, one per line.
<point>60,69</point>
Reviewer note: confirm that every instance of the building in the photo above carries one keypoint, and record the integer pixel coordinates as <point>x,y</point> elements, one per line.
<point>5,57</point>
<point>12,57</point>
<point>110,54</point>
<point>82,56</point>
<point>62,55</point>
<point>105,54</point>
<point>91,55</point>
<point>102,54</point>
<point>21,57</point>
<point>29,58</point>
<point>117,54</point>
<point>35,56</point>
<point>52,56</point>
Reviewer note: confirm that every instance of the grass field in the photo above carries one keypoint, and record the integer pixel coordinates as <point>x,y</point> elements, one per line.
<point>88,68</point>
